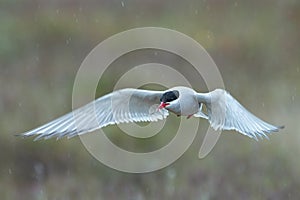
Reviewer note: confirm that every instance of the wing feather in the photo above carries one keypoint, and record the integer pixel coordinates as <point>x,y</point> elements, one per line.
<point>122,106</point>
<point>226,113</point>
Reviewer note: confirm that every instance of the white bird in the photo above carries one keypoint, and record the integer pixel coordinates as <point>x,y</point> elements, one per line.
<point>136,105</point>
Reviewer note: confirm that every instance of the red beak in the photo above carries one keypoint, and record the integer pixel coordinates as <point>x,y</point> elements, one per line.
<point>163,105</point>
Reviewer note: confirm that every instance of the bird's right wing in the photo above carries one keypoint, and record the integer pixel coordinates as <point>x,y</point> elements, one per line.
<point>126,105</point>
<point>226,113</point>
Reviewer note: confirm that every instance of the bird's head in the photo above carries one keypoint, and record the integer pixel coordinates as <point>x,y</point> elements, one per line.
<point>167,98</point>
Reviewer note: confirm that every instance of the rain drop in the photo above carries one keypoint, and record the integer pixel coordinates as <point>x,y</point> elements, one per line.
<point>171,173</point>
<point>68,41</point>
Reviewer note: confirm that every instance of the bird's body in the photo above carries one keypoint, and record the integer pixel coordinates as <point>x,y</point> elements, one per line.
<point>136,105</point>
<point>184,106</point>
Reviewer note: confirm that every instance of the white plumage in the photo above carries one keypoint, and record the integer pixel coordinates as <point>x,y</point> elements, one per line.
<point>136,105</point>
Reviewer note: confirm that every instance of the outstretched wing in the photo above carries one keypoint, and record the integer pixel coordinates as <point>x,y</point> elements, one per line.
<point>226,113</point>
<point>126,105</point>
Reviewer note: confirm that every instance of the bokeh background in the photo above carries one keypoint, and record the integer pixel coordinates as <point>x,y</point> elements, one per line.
<point>255,44</point>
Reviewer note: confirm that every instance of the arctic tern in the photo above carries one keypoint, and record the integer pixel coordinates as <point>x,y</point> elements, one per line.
<point>137,105</point>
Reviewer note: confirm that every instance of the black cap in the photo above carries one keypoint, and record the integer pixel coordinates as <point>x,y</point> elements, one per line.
<point>169,96</point>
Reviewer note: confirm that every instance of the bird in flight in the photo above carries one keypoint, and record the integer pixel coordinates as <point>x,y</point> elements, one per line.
<point>136,105</point>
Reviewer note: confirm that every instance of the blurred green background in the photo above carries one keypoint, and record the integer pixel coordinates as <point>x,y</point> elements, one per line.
<point>255,44</point>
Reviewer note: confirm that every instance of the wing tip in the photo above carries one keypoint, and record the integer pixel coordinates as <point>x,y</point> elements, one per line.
<point>264,135</point>
<point>281,127</point>
<point>21,135</point>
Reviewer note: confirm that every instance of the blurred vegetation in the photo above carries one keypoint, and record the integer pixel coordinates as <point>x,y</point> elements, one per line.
<point>255,44</point>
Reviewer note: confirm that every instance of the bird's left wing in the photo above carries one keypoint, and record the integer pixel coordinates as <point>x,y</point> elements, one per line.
<point>126,105</point>
<point>226,113</point>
